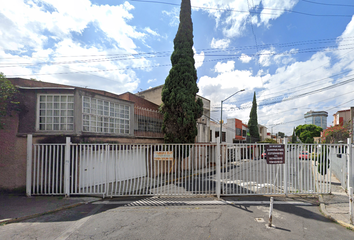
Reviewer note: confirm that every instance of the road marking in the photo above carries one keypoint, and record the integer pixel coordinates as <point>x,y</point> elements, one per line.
<point>159,202</point>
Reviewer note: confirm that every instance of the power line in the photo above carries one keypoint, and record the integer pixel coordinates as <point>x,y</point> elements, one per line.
<point>232,57</point>
<point>329,4</point>
<point>341,95</point>
<point>300,95</point>
<point>303,119</point>
<point>280,45</point>
<point>303,87</point>
<point>312,81</point>
<point>127,56</point>
<point>245,11</point>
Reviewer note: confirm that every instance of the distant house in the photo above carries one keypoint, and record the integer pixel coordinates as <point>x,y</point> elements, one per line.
<point>203,123</point>
<point>263,135</point>
<point>234,131</point>
<point>342,117</point>
<point>51,112</point>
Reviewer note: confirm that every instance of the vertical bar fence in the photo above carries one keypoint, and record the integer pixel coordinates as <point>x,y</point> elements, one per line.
<point>208,169</point>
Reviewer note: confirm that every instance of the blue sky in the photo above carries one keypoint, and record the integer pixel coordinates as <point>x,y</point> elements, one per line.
<point>297,55</point>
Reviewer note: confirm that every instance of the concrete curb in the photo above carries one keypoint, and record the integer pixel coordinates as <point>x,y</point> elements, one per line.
<point>327,215</point>
<point>19,219</point>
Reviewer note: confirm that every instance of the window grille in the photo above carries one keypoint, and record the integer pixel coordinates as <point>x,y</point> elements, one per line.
<point>105,117</point>
<point>56,112</point>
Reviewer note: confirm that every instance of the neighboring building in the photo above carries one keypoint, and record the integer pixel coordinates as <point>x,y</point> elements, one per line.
<point>215,132</point>
<point>318,118</point>
<point>237,131</point>
<point>203,123</point>
<point>234,131</point>
<point>341,117</point>
<point>52,112</point>
<point>147,118</point>
<point>262,132</point>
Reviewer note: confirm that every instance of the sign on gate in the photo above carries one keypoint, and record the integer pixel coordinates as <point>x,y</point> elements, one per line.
<point>275,153</point>
<point>163,156</point>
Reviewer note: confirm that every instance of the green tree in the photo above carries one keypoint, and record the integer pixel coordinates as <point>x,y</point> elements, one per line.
<point>307,132</point>
<point>253,121</point>
<point>8,101</point>
<point>281,134</point>
<point>180,108</point>
<point>336,134</point>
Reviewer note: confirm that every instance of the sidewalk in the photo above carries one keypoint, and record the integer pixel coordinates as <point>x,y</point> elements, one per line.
<point>17,207</point>
<point>335,206</point>
<point>14,207</point>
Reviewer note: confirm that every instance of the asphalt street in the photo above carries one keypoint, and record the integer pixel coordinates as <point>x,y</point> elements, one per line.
<point>171,218</point>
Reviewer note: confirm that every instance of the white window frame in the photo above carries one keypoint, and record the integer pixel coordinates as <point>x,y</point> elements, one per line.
<point>103,116</point>
<point>55,118</point>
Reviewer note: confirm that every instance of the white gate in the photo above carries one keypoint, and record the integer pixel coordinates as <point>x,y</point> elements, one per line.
<point>184,169</point>
<point>245,170</point>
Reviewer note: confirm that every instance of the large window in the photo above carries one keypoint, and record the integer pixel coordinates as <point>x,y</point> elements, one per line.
<point>105,117</point>
<point>56,112</point>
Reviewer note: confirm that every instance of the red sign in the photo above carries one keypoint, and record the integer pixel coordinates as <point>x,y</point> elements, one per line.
<point>275,153</point>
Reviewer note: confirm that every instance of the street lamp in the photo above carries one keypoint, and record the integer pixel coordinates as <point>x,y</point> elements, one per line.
<point>220,135</point>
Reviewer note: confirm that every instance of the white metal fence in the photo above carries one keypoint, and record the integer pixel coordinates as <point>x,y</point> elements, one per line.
<point>180,169</point>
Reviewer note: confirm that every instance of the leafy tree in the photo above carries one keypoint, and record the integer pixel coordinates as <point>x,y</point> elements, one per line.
<point>253,122</point>
<point>334,134</point>
<point>281,134</point>
<point>307,132</point>
<point>180,107</point>
<point>8,103</point>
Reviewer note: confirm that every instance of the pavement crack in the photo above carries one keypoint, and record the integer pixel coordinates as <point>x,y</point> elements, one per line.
<point>214,220</point>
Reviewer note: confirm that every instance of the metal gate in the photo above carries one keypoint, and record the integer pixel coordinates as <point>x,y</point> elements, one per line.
<point>179,169</point>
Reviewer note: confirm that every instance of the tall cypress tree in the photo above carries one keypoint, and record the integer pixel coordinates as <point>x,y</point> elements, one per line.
<point>180,108</point>
<point>253,121</point>
<point>293,138</point>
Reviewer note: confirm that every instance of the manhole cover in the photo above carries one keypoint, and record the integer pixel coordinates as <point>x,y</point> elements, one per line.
<point>259,219</point>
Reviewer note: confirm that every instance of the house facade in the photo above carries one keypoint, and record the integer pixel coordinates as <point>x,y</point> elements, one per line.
<point>52,112</point>
<point>263,135</point>
<point>203,123</point>
<point>341,117</point>
<point>233,131</point>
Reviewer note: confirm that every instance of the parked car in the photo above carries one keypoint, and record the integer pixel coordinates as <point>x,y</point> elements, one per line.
<point>304,155</point>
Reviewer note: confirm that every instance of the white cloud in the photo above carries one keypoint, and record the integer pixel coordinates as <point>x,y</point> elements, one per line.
<point>236,15</point>
<point>148,30</point>
<point>173,15</point>
<point>29,25</point>
<point>245,59</point>
<point>198,58</point>
<point>103,75</point>
<point>225,67</point>
<point>293,79</point>
<point>152,80</point>
<point>23,24</point>
<point>221,43</point>
<point>275,8</point>
<point>265,57</point>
